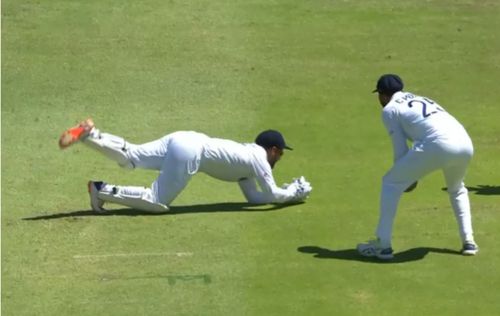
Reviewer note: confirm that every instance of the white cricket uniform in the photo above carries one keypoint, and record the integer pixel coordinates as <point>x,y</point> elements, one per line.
<point>439,142</point>
<point>180,155</point>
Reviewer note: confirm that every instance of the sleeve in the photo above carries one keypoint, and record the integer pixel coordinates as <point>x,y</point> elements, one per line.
<point>249,189</point>
<point>270,192</point>
<point>398,137</point>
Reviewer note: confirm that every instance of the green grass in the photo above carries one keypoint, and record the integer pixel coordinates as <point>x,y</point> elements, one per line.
<point>232,69</point>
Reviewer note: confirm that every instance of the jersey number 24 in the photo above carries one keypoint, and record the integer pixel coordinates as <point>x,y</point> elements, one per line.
<point>429,107</point>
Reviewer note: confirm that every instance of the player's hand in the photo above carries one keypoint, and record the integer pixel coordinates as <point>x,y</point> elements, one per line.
<point>300,188</point>
<point>411,187</point>
<point>294,185</point>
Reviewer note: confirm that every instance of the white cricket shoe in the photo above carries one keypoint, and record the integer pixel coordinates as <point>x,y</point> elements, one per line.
<point>373,248</point>
<point>470,248</point>
<point>95,202</point>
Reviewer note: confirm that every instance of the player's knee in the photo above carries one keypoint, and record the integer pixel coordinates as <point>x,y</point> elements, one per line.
<point>393,186</point>
<point>387,181</point>
<point>457,190</point>
<point>126,159</point>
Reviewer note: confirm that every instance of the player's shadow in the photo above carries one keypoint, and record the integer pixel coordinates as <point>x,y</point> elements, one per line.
<point>483,189</point>
<point>413,254</point>
<point>174,210</point>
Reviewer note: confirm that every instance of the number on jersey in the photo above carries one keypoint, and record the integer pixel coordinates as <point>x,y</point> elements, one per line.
<point>429,107</point>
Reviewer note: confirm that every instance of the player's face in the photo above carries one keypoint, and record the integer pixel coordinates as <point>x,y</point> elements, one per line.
<point>383,99</point>
<point>273,155</point>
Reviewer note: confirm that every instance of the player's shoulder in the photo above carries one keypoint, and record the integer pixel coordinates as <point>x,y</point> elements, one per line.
<point>404,98</point>
<point>258,153</point>
<point>257,150</point>
<point>399,102</point>
<point>400,98</point>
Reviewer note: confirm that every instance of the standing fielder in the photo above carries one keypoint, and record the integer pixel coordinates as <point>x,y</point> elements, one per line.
<point>439,142</point>
<point>180,155</point>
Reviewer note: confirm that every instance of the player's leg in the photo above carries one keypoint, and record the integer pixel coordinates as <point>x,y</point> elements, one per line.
<point>155,199</point>
<point>181,163</point>
<point>139,198</point>
<point>149,155</point>
<point>111,146</point>
<point>152,155</point>
<point>410,168</point>
<point>454,175</point>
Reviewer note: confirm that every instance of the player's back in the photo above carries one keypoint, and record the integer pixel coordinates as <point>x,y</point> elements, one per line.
<point>423,119</point>
<point>229,160</point>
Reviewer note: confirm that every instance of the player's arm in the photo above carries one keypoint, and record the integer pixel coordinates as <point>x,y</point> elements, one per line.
<point>270,192</point>
<point>251,193</point>
<point>297,191</point>
<point>398,137</point>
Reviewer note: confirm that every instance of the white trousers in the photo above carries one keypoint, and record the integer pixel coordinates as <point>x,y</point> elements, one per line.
<point>452,158</point>
<point>176,156</point>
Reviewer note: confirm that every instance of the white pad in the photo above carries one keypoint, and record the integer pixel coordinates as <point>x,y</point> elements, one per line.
<point>139,198</point>
<point>113,147</point>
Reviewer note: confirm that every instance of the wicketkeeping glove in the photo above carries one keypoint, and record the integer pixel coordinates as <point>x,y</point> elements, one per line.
<point>300,188</point>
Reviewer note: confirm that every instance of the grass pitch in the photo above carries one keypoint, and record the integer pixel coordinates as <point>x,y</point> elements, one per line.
<point>231,69</point>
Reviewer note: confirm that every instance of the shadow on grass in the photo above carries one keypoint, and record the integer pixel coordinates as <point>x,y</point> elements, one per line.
<point>186,209</point>
<point>413,254</point>
<point>483,189</point>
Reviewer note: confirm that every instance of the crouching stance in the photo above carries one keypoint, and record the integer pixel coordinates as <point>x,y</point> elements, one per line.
<point>180,155</point>
<point>440,142</point>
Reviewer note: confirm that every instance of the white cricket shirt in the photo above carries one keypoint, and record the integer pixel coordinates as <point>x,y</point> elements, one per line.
<point>243,163</point>
<point>419,119</point>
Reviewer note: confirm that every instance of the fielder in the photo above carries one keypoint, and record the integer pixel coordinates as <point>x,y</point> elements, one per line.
<point>440,142</point>
<point>179,156</point>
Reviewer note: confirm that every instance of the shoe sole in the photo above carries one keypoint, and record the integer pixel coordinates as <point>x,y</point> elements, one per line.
<point>71,136</point>
<point>385,257</point>
<point>470,252</point>
<point>372,253</point>
<point>75,133</point>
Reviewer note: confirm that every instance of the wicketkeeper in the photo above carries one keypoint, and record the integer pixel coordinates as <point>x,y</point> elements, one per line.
<point>180,155</point>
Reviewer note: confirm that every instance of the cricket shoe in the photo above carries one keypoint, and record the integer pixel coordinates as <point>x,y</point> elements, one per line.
<point>470,248</point>
<point>76,133</point>
<point>95,202</point>
<point>373,248</point>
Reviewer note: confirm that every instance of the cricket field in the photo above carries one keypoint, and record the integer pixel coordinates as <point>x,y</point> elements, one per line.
<point>142,69</point>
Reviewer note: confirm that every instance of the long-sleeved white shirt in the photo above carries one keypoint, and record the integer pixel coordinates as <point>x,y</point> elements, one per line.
<point>418,119</point>
<point>246,164</point>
